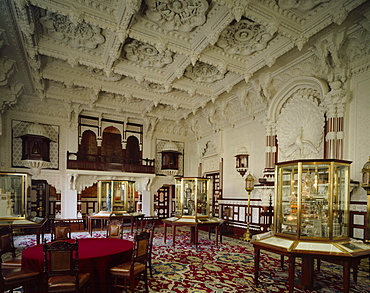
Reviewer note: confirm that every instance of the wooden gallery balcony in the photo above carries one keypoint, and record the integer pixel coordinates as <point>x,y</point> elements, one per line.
<point>109,163</point>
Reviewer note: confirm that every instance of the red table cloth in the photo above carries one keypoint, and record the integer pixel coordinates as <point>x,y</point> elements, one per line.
<point>95,256</point>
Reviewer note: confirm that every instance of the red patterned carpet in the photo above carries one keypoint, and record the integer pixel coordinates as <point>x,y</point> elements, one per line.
<point>226,268</point>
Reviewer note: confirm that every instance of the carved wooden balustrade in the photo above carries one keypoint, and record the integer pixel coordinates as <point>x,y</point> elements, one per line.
<point>110,163</point>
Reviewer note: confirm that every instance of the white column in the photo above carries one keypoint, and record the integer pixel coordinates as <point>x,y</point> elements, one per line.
<point>147,203</point>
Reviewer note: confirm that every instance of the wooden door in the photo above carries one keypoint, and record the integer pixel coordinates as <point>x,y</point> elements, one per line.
<point>39,199</point>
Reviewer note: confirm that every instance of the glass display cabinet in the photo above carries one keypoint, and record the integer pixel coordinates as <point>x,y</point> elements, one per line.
<point>116,196</point>
<point>312,208</point>
<point>193,198</point>
<point>312,200</point>
<point>14,195</point>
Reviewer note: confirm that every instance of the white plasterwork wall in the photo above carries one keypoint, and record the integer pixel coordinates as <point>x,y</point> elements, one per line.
<point>358,130</point>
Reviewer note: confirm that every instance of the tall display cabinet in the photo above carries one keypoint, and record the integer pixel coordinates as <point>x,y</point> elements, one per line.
<point>14,200</point>
<point>15,204</point>
<point>116,196</point>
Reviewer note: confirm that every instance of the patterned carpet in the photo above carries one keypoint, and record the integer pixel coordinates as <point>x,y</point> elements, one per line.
<point>226,268</point>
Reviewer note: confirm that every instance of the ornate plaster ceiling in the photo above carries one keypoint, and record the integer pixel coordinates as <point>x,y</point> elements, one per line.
<point>160,59</point>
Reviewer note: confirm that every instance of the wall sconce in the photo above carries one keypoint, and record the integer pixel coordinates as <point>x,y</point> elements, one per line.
<point>366,185</point>
<point>249,186</point>
<point>241,161</point>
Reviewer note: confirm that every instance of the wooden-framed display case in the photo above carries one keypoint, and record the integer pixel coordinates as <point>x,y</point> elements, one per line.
<point>14,195</point>
<point>312,209</point>
<point>312,199</point>
<point>116,196</point>
<point>192,197</point>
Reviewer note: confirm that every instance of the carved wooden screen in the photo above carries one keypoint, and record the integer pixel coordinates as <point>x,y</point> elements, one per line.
<point>217,192</point>
<point>88,148</point>
<point>162,201</point>
<point>111,149</point>
<point>133,150</point>
<point>39,202</point>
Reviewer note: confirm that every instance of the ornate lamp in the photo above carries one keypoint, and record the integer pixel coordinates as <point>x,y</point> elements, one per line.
<point>241,161</point>
<point>366,185</point>
<point>249,186</point>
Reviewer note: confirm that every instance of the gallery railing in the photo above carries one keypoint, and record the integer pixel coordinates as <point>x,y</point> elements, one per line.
<point>109,163</point>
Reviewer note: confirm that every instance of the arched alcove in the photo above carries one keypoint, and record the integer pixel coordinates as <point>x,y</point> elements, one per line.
<point>133,150</point>
<point>111,148</point>
<point>88,149</point>
<point>296,118</point>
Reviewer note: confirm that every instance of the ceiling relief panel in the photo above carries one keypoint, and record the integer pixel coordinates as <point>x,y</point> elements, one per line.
<point>177,15</point>
<point>203,72</point>
<point>77,35</point>
<point>147,55</point>
<point>245,37</point>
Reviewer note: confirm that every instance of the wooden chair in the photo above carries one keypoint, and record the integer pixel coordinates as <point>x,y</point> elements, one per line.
<point>7,247</point>
<point>12,277</point>
<point>150,227</point>
<point>61,231</point>
<point>61,273</point>
<point>114,229</point>
<point>147,222</point>
<point>136,269</point>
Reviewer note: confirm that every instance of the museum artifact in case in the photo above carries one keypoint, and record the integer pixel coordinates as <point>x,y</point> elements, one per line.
<point>116,196</point>
<point>14,195</point>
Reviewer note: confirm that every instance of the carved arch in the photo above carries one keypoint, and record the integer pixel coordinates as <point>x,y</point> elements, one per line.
<point>111,148</point>
<point>296,120</point>
<point>88,149</point>
<point>282,96</point>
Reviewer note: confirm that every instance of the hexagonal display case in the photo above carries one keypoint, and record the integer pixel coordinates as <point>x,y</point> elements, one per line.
<point>312,209</point>
<point>312,199</point>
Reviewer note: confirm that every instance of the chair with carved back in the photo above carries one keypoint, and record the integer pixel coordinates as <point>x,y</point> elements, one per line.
<point>8,249</point>
<point>61,272</point>
<point>114,229</point>
<point>14,276</point>
<point>131,272</point>
<point>150,227</point>
<point>61,230</point>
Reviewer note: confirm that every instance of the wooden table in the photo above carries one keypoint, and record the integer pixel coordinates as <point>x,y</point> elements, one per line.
<point>31,223</point>
<point>95,256</point>
<point>194,227</point>
<point>308,261</point>
<point>132,218</point>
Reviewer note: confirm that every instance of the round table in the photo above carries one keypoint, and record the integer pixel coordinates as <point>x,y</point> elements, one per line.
<point>95,256</point>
